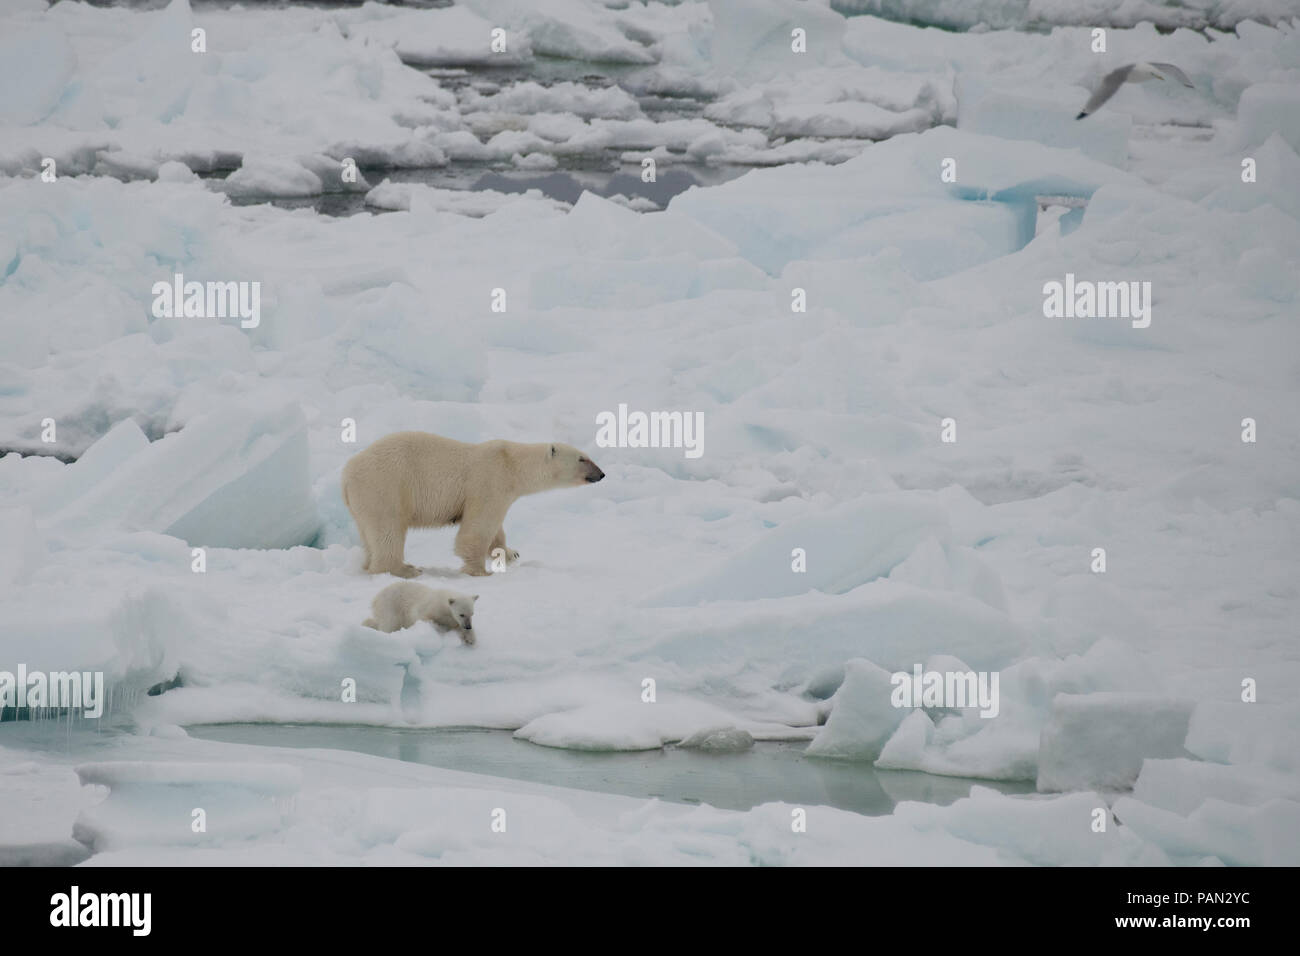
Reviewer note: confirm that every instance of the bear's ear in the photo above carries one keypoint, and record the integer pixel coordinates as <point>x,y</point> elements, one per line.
<point>552,451</point>
<point>474,597</point>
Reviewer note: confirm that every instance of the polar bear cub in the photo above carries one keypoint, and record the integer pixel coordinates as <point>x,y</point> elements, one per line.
<point>402,604</point>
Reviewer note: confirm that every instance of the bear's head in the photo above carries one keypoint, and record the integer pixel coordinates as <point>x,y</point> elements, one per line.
<point>462,609</point>
<point>569,466</point>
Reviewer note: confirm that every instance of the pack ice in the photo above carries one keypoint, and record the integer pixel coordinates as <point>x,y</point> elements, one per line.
<point>829,537</point>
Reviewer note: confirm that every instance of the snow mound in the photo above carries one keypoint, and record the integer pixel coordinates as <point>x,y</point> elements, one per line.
<point>173,171</point>
<point>844,547</point>
<point>22,546</point>
<point>754,38</point>
<point>1039,831</point>
<point>157,803</point>
<point>272,176</point>
<point>860,120</point>
<point>1278,167</point>
<point>812,212</point>
<point>417,197</point>
<point>1050,120</point>
<point>892,624</point>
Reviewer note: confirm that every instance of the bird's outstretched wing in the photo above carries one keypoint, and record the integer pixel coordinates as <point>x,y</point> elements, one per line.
<point>1111,82</point>
<point>1173,71</point>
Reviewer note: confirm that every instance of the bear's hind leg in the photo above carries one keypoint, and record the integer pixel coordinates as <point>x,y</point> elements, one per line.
<point>366,550</point>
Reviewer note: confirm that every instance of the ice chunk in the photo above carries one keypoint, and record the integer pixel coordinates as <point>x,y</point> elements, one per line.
<point>534,161</point>
<point>272,176</point>
<point>175,172</point>
<point>635,203</point>
<point>412,152</point>
<point>529,97</point>
<point>453,36</point>
<point>1098,741</point>
<point>153,73</point>
<point>565,28</point>
<point>976,577</point>
<point>1039,14</point>
<point>905,748</point>
<point>1268,108</point>
<point>856,119</point>
<point>35,68</point>
<point>1241,733</point>
<point>1267,835</point>
<point>1277,167</point>
<point>98,463</point>
<point>864,717</point>
<point>330,172</point>
<point>624,725</point>
<point>1182,785</point>
<point>235,478</point>
<point>1042,831</point>
<point>719,740</point>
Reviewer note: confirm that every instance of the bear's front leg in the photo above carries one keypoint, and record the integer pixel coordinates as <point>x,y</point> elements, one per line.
<point>478,528</point>
<point>499,548</point>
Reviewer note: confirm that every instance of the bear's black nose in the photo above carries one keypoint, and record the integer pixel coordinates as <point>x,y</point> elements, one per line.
<point>596,477</point>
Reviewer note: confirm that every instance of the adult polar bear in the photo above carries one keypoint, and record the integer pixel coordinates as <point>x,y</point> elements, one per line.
<point>419,480</point>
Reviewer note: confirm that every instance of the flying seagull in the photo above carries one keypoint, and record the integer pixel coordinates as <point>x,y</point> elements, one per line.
<point>1133,73</point>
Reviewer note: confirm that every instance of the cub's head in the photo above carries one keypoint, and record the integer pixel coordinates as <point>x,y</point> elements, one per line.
<point>462,609</point>
<point>568,466</point>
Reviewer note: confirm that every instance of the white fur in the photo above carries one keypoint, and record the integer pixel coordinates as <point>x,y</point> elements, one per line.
<point>418,480</point>
<point>402,604</point>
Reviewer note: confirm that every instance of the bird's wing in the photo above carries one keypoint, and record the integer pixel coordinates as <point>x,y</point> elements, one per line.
<point>1111,82</point>
<point>1173,71</point>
